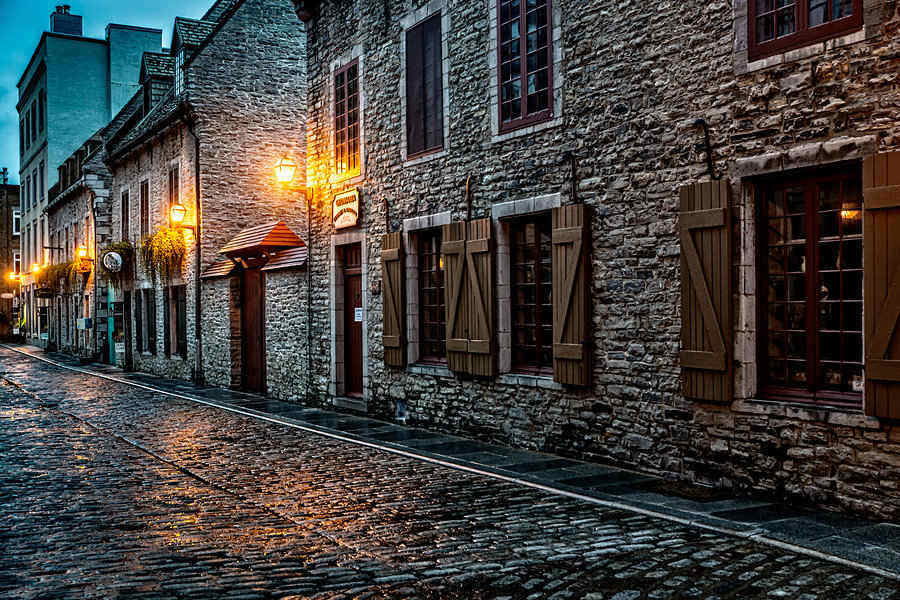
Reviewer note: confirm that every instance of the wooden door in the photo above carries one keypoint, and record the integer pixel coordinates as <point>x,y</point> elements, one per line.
<point>253,332</point>
<point>353,340</point>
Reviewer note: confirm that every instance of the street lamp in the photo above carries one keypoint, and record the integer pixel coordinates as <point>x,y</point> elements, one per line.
<point>35,268</point>
<point>83,253</point>
<point>13,276</point>
<point>177,214</point>
<point>285,169</point>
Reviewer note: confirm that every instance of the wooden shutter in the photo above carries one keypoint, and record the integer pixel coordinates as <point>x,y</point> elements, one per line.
<point>571,305</point>
<point>453,252</point>
<point>706,328</point>
<point>881,299</point>
<point>480,275</point>
<point>393,300</point>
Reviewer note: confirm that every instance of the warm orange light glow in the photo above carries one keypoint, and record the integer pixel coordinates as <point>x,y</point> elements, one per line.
<point>82,252</point>
<point>285,169</point>
<point>177,214</point>
<point>849,215</point>
<point>13,276</point>
<point>35,268</point>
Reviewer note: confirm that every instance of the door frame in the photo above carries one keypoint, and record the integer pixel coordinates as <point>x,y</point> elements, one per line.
<point>336,386</point>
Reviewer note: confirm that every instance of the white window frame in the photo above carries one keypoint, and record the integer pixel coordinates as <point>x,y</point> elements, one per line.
<point>17,222</point>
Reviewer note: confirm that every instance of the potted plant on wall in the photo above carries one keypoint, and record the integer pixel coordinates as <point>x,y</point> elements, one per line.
<point>163,253</point>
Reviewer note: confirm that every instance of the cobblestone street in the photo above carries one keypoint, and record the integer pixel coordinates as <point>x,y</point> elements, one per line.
<point>111,491</point>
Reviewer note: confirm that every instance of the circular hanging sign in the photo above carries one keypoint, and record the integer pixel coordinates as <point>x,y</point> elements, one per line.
<point>112,262</point>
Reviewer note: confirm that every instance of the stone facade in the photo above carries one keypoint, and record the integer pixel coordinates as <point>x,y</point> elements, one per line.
<point>631,84</point>
<point>10,215</point>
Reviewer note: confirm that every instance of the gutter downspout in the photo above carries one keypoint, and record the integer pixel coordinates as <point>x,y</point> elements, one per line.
<point>309,370</point>
<point>198,314</point>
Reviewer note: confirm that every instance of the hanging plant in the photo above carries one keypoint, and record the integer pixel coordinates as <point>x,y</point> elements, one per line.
<point>125,249</point>
<point>58,277</point>
<point>163,252</point>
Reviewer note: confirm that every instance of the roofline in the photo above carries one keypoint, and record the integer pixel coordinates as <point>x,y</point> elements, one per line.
<point>64,36</point>
<point>163,124</point>
<point>131,28</point>
<point>226,16</point>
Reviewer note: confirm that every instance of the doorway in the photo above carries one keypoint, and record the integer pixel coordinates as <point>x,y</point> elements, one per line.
<point>353,320</point>
<point>253,331</point>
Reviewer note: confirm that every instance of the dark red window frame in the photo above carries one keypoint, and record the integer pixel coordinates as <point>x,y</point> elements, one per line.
<point>526,117</point>
<point>347,112</point>
<point>531,294</point>
<point>424,88</point>
<point>432,311</point>
<point>808,290</point>
<point>803,34</point>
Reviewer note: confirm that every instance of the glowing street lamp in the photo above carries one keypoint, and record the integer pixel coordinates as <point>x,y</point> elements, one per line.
<point>177,213</point>
<point>13,276</point>
<point>82,252</point>
<point>285,169</point>
<point>35,268</point>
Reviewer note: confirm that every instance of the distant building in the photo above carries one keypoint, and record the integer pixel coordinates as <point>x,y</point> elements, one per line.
<point>71,88</point>
<point>10,259</point>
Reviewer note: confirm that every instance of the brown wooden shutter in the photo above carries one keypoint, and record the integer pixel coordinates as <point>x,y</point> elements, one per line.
<point>453,251</point>
<point>881,268</point>
<point>393,300</point>
<point>571,305</point>
<point>480,274</point>
<point>706,328</point>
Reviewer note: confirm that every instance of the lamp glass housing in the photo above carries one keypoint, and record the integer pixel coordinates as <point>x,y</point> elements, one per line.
<point>285,169</point>
<point>82,252</point>
<point>177,213</point>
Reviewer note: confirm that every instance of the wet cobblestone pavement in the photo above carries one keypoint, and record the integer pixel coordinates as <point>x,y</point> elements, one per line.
<point>110,491</point>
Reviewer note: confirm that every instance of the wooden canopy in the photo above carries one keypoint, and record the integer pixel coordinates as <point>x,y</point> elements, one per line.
<point>261,240</point>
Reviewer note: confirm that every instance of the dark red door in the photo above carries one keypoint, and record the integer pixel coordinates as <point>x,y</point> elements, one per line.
<point>353,320</point>
<point>253,332</point>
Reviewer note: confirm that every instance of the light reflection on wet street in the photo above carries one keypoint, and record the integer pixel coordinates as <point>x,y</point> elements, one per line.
<point>110,491</point>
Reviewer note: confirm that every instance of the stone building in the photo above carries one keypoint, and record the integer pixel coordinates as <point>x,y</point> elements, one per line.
<point>10,255</point>
<point>632,236</point>
<point>77,216</point>
<point>72,86</point>
<point>199,140</point>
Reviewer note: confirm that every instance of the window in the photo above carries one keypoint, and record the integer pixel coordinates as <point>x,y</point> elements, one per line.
<point>34,121</point>
<point>779,25</point>
<point>126,210</point>
<point>27,129</point>
<point>67,243</point>
<point>34,190</point>
<point>424,88</point>
<point>41,185</point>
<point>27,191</point>
<point>175,320</point>
<point>811,284</point>
<point>145,209</point>
<point>346,119</point>
<point>531,288</point>
<point>150,319</point>
<point>138,320</point>
<point>27,246</point>
<point>179,71</point>
<point>17,222</point>
<point>22,137</point>
<point>42,101</point>
<point>432,312</point>
<point>173,186</point>
<point>17,262</point>
<point>525,67</point>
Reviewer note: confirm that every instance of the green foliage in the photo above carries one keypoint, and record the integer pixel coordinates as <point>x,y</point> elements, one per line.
<point>163,252</point>
<point>58,277</point>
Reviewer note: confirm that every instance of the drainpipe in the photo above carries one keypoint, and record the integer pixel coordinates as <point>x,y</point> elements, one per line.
<point>309,370</point>
<point>198,314</point>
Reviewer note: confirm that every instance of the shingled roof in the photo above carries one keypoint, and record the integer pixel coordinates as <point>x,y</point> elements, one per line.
<point>218,10</point>
<point>262,238</point>
<point>163,113</point>
<point>155,64</point>
<point>192,32</point>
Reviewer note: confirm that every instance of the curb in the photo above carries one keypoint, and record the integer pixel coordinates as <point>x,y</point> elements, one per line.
<point>752,536</point>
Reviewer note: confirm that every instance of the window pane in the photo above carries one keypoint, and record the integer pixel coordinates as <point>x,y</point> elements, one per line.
<point>841,8</point>
<point>786,25</point>
<point>765,28</point>
<point>817,12</point>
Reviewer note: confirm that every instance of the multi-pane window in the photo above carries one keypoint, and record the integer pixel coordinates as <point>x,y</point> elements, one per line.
<point>28,191</point>
<point>176,321</point>
<point>145,209</point>
<point>525,62</point>
<point>34,121</point>
<point>34,185</point>
<point>22,137</point>
<point>779,25</point>
<point>17,222</point>
<point>27,129</point>
<point>531,287</point>
<point>42,103</point>
<point>145,320</point>
<point>432,311</point>
<point>812,284</point>
<point>17,262</point>
<point>126,215</point>
<point>41,184</point>
<point>346,119</point>
<point>424,88</point>
<point>173,186</point>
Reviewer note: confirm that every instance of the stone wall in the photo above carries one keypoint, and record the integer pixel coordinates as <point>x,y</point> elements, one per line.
<point>635,81</point>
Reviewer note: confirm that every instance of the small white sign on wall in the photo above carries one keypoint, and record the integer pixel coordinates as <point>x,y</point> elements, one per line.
<point>120,347</point>
<point>357,314</point>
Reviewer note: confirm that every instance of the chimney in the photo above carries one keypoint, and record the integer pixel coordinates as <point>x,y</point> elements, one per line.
<point>62,21</point>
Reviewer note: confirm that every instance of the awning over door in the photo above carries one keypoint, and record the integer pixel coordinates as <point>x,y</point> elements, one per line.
<point>261,241</point>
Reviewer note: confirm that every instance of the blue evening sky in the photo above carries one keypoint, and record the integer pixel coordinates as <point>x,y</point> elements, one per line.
<point>23,21</point>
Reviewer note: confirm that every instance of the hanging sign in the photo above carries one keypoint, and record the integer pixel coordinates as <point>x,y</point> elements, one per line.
<point>345,209</point>
<point>112,261</point>
<point>6,295</point>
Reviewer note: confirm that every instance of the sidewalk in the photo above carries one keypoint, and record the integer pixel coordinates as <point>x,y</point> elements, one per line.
<point>870,545</point>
